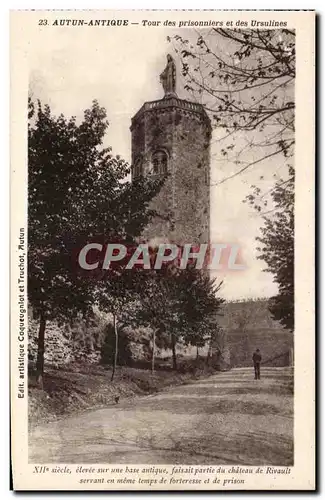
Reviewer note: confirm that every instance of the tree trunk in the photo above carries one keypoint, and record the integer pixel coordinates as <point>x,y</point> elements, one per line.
<point>116,347</point>
<point>197,352</point>
<point>153,352</point>
<point>40,352</point>
<point>208,355</point>
<point>174,352</point>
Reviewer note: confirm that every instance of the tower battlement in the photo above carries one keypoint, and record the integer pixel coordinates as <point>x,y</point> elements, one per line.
<point>172,102</point>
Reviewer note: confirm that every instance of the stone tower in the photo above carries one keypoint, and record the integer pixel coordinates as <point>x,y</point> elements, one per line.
<point>172,136</point>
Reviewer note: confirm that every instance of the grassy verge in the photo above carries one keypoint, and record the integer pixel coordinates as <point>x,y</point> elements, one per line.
<point>79,387</point>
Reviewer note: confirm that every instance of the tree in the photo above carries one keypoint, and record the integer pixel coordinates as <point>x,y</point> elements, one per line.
<point>178,303</point>
<point>277,250</point>
<point>76,192</point>
<point>117,288</point>
<point>200,305</point>
<point>156,307</point>
<point>245,79</point>
<point>108,348</point>
<point>218,344</point>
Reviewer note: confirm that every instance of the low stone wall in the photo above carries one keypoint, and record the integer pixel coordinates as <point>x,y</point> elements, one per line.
<point>58,343</point>
<point>275,346</point>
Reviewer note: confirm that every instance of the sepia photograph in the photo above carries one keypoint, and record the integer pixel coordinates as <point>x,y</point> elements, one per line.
<point>157,264</point>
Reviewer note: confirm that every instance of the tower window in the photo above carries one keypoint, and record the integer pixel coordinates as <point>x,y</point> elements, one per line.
<point>159,162</point>
<point>137,168</point>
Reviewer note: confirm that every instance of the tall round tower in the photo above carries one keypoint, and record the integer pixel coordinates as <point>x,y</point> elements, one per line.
<point>172,136</point>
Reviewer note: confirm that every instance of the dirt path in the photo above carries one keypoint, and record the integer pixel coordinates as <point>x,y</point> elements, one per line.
<point>228,418</point>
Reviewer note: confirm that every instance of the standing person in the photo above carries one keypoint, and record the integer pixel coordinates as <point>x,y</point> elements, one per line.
<point>257,358</point>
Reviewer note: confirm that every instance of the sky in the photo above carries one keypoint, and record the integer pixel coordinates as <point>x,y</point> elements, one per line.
<point>121,68</point>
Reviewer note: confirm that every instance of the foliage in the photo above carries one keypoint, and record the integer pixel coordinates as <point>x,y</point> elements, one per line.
<point>200,306</point>
<point>108,348</point>
<point>277,250</point>
<point>179,305</point>
<point>77,192</point>
<point>245,78</point>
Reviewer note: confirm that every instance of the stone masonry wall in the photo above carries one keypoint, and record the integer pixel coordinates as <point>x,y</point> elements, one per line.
<point>183,203</point>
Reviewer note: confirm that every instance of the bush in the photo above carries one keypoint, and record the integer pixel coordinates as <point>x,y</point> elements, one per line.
<point>108,347</point>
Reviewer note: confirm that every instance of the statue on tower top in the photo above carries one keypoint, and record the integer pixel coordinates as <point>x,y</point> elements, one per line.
<point>168,77</point>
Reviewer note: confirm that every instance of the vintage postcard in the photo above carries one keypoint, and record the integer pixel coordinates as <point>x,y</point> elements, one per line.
<point>162,250</point>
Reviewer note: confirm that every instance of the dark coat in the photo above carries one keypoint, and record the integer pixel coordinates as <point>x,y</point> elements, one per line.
<point>257,358</point>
